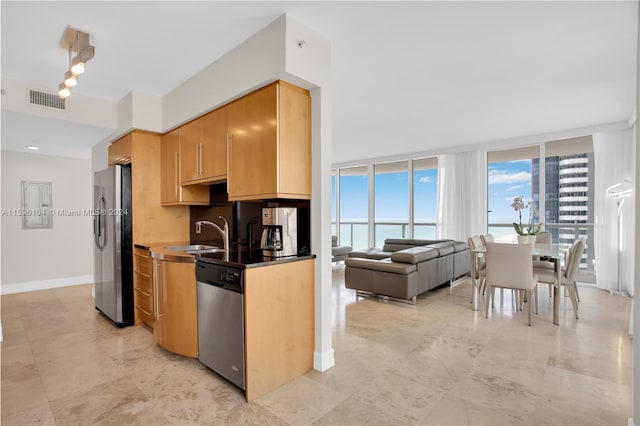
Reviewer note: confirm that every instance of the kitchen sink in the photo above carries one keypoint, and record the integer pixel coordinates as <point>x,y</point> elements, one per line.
<point>203,251</point>
<point>193,247</point>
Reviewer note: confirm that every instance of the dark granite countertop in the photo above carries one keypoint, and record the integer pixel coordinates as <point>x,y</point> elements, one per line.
<point>248,259</point>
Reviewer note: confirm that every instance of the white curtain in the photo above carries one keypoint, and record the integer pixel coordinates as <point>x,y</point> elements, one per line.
<point>614,162</point>
<point>462,195</point>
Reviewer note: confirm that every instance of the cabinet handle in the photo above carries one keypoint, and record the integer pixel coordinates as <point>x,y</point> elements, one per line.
<point>175,173</point>
<point>143,292</point>
<point>145,311</point>
<point>229,140</point>
<point>143,274</point>
<point>155,288</point>
<point>200,160</point>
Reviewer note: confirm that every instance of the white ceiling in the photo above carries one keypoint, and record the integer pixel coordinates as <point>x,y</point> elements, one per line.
<point>408,76</point>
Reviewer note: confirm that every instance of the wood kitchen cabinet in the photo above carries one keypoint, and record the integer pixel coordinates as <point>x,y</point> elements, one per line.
<point>143,286</point>
<point>203,149</point>
<point>120,150</point>
<point>279,324</point>
<point>176,311</point>
<point>269,144</point>
<point>173,193</point>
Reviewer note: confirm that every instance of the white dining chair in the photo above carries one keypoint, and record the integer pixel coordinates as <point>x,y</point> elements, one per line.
<point>567,274</point>
<point>486,238</point>
<point>475,242</point>
<point>510,266</point>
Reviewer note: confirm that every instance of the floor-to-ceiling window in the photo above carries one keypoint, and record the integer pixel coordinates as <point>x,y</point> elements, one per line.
<point>569,196</point>
<point>559,187</point>
<point>509,175</point>
<point>391,195</point>
<point>403,204</point>
<point>425,197</point>
<point>354,206</point>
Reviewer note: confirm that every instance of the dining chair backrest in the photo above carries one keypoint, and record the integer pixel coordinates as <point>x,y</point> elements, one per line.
<point>543,238</point>
<point>486,238</point>
<point>475,242</point>
<point>573,260</point>
<point>509,265</point>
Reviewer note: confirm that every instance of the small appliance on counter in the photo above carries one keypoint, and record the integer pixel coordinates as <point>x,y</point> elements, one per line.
<point>280,234</point>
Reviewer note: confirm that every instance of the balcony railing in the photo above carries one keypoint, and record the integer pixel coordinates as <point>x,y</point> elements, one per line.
<point>355,232</point>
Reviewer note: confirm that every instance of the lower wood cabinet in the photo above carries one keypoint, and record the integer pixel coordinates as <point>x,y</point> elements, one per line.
<point>279,324</point>
<point>176,311</point>
<point>143,286</point>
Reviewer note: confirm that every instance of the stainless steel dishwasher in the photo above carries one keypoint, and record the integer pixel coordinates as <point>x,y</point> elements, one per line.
<point>221,320</point>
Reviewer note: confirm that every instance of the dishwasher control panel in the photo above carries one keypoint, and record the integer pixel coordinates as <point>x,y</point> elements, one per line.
<point>226,277</point>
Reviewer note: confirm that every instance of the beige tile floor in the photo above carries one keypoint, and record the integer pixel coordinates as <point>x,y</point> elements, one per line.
<point>434,363</point>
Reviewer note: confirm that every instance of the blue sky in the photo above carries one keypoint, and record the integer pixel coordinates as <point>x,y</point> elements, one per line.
<point>391,196</point>
<point>506,181</point>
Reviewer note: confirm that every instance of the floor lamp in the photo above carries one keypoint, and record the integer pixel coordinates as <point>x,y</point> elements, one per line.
<point>620,191</point>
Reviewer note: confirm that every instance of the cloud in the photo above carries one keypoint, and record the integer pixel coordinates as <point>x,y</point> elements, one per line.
<point>425,179</point>
<point>497,176</point>
<point>513,188</point>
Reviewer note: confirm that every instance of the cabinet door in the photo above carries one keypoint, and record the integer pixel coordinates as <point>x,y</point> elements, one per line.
<point>294,148</point>
<point>213,149</point>
<point>177,305</point>
<point>190,147</point>
<point>252,146</point>
<point>170,186</point>
<point>120,150</point>
<point>173,193</point>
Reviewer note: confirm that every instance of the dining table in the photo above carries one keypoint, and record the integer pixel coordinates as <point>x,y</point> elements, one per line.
<point>550,252</point>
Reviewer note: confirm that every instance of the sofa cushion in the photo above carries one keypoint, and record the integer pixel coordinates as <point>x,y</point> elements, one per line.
<point>372,253</point>
<point>334,241</point>
<point>384,265</point>
<point>459,246</point>
<point>443,248</point>
<point>340,250</point>
<point>414,255</point>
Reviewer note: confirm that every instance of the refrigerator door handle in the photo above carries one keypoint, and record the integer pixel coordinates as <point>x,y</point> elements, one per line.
<point>102,232</point>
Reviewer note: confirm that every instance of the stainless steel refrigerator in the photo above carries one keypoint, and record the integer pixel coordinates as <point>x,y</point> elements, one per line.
<point>113,258</point>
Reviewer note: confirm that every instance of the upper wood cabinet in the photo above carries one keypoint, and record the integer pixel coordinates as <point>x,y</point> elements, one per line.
<point>120,150</point>
<point>203,149</point>
<point>173,193</point>
<point>269,144</point>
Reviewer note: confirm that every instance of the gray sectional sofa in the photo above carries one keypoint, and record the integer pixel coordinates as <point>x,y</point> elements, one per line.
<point>338,253</point>
<point>405,268</point>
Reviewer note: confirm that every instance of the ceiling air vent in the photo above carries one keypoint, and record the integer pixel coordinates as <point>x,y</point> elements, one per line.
<point>46,99</point>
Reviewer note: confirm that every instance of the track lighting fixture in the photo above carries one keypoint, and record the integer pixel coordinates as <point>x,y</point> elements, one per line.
<point>81,43</point>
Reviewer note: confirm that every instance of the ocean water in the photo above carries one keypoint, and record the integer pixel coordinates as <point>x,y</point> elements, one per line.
<point>356,234</point>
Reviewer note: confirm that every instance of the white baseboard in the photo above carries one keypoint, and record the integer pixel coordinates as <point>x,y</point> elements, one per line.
<point>322,361</point>
<point>45,284</point>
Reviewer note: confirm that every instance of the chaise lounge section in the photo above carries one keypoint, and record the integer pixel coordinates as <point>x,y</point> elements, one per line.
<point>338,253</point>
<point>405,268</point>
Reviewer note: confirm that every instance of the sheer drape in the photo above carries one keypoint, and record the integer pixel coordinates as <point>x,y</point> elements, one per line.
<point>613,158</point>
<point>462,195</point>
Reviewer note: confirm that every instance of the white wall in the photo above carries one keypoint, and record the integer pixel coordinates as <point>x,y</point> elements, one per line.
<point>255,62</point>
<point>635,394</point>
<point>44,258</point>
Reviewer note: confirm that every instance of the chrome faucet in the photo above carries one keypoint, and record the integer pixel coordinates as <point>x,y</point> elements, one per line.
<point>224,233</point>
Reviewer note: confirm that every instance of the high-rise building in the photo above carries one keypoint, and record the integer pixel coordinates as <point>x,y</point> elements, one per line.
<point>569,189</point>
